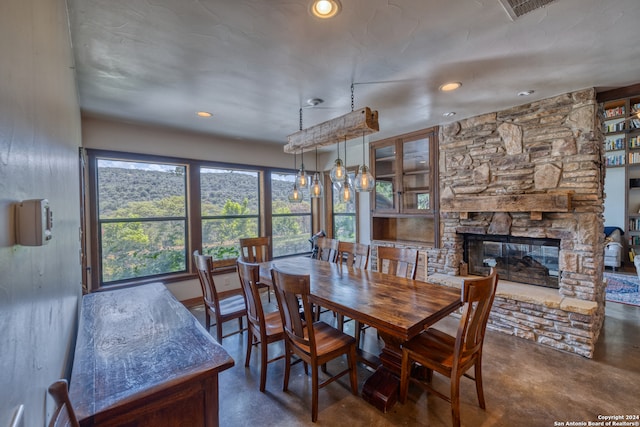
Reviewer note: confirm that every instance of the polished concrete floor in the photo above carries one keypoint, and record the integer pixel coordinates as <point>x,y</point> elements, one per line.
<point>525,384</point>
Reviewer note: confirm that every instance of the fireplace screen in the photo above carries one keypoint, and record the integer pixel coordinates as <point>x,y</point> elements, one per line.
<point>519,259</point>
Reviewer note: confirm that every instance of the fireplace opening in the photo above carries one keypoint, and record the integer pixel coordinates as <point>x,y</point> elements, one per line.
<point>527,260</point>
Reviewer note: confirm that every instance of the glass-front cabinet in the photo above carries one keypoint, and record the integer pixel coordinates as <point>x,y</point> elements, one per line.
<point>405,204</point>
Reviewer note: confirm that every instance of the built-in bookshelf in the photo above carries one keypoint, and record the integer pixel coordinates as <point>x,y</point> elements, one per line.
<point>621,138</point>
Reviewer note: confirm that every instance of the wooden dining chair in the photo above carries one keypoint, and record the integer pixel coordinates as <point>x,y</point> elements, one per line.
<point>63,415</point>
<point>454,356</point>
<point>327,249</point>
<point>400,262</point>
<point>257,250</point>
<point>222,309</point>
<point>264,328</point>
<point>353,255</point>
<point>315,343</point>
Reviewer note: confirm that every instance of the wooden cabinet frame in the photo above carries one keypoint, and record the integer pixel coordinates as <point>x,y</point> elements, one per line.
<point>398,222</point>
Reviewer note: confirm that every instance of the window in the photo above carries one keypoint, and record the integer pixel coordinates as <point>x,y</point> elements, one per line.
<point>230,209</point>
<point>344,215</point>
<point>147,214</point>
<point>290,222</point>
<point>142,219</point>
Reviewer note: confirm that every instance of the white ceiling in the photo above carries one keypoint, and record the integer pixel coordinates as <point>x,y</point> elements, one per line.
<point>254,63</point>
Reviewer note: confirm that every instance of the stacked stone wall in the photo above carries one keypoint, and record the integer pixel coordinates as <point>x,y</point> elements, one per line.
<point>552,145</point>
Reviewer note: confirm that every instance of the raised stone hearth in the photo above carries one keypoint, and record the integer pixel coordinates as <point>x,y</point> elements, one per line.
<point>531,171</point>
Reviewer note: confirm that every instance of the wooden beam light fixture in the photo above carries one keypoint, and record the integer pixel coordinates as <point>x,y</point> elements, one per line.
<point>351,125</point>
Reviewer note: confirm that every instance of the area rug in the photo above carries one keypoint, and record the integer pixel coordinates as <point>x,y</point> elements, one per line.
<point>622,288</point>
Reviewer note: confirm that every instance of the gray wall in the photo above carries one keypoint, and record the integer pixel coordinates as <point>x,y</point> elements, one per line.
<point>39,138</point>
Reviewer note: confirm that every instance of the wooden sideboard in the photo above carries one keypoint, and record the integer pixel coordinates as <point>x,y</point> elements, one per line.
<point>142,359</point>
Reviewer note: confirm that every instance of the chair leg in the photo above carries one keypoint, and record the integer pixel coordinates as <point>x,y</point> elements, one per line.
<point>249,345</point>
<point>287,367</point>
<point>405,371</point>
<point>314,393</point>
<point>357,332</point>
<point>207,319</point>
<point>478,377</point>
<point>353,373</point>
<point>219,331</point>
<point>263,363</point>
<point>455,400</point>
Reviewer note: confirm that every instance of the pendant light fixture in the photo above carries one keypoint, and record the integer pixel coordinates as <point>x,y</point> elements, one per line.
<point>302,179</point>
<point>316,187</point>
<point>346,194</point>
<point>364,179</point>
<point>295,195</point>
<point>338,170</point>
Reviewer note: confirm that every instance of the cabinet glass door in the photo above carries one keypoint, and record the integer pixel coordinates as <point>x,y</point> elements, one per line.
<point>416,182</point>
<point>385,170</point>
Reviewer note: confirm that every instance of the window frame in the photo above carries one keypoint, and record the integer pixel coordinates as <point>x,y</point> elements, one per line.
<point>270,215</point>
<point>193,238</point>
<point>329,206</point>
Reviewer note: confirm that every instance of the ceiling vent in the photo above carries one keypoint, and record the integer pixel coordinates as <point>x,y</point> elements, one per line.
<point>517,8</point>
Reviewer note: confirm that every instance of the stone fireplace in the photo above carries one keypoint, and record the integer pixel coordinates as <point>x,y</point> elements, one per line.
<point>530,172</point>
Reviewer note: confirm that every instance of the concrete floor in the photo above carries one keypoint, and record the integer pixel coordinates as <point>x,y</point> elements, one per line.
<point>525,384</point>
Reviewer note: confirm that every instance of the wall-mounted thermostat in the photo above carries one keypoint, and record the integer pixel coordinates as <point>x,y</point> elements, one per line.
<point>34,221</point>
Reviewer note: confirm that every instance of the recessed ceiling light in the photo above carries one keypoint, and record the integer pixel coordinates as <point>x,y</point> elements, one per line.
<point>204,114</point>
<point>325,8</point>
<point>449,114</point>
<point>526,92</point>
<point>448,87</point>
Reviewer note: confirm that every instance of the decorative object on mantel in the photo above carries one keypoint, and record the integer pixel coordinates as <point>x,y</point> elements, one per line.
<point>534,203</point>
<point>348,126</point>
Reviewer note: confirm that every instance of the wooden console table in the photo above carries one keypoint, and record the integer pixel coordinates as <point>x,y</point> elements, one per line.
<point>142,359</point>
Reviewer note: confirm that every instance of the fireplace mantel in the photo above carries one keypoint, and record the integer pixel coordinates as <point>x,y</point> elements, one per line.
<point>533,203</point>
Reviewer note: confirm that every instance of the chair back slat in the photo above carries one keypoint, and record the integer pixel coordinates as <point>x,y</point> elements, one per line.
<point>204,265</point>
<point>327,249</point>
<point>255,249</point>
<point>401,262</point>
<point>477,298</point>
<point>354,255</point>
<point>292,292</point>
<point>249,276</point>
<point>64,415</point>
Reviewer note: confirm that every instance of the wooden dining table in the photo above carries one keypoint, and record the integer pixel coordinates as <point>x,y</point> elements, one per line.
<point>399,308</point>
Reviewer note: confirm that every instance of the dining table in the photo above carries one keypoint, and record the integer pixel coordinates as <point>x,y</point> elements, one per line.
<point>398,308</point>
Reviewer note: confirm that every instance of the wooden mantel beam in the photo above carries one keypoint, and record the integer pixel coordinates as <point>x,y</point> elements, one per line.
<point>533,203</point>
<point>351,125</point>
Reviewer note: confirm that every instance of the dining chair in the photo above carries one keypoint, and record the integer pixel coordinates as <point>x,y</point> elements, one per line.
<point>257,250</point>
<point>315,343</point>
<point>400,262</point>
<point>264,328</point>
<point>354,255</point>
<point>222,309</point>
<point>63,415</point>
<point>327,249</point>
<point>454,356</point>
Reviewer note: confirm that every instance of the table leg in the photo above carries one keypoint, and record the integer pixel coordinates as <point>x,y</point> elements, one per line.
<point>381,388</point>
